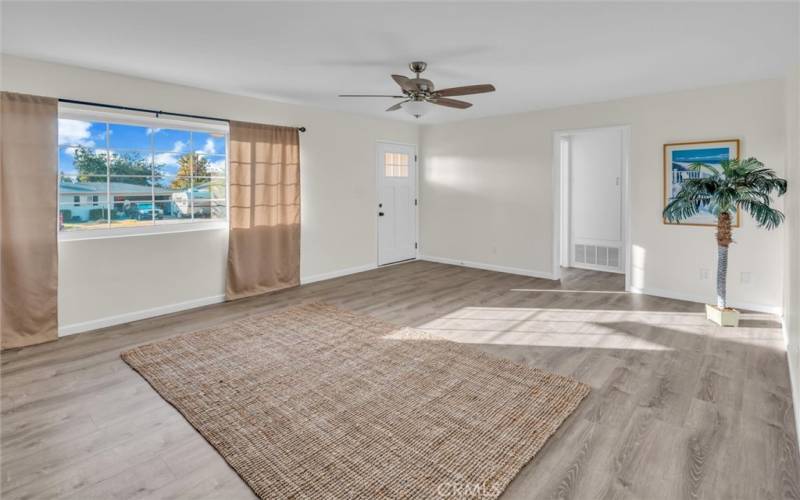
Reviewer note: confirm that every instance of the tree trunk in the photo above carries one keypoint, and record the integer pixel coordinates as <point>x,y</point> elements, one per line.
<point>722,276</point>
<point>724,239</point>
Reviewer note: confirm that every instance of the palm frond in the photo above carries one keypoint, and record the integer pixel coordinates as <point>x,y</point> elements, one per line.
<point>748,194</point>
<point>688,201</point>
<point>698,167</point>
<point>764,181</point>
<point>738,168</point>
<point>738,184</point>
<point>766,216</point>
<point>728,168</point>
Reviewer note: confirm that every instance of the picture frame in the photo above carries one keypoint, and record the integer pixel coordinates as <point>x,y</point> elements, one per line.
<point>679,155</point>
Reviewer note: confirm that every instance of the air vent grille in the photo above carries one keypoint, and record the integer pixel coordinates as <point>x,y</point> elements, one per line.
<point>613,257</point>
<point>597,256</point>
<point>580,254</point>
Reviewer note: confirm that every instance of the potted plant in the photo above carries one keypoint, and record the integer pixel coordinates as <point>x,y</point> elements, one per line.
<point>744,185</point>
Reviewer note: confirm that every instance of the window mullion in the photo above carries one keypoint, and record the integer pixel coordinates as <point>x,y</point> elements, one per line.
<point>109,203</point>
<point>191,174</point>
<point>153,179</point>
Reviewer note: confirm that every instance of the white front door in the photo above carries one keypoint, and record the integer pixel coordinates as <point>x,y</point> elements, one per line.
<point>397,202</point>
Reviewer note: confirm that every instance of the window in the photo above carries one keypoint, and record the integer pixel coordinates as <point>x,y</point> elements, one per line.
<point>134,172</point>
<point>395,164</point>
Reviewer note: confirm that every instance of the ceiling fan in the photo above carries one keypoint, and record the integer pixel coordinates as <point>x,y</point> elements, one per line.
<point>417,92</point>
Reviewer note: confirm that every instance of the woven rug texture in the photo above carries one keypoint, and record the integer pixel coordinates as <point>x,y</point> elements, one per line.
<point>316,402</point>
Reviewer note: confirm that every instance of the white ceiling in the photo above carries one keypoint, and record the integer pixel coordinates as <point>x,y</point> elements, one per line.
<point>538,55</point>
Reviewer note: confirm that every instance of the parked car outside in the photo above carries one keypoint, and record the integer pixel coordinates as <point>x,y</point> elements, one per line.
<point>145,211</point>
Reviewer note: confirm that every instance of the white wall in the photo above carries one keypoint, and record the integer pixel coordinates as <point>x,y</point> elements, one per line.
<point>486,193</point>
<point>125,278</point>
<point>487,190</point>
<point>791,320</point>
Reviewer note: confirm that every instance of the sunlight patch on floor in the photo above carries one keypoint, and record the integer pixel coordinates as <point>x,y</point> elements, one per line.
<point>593,329</point>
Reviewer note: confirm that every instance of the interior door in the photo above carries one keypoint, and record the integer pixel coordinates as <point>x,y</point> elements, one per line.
<point>397,203</point>
<point>595,198</point>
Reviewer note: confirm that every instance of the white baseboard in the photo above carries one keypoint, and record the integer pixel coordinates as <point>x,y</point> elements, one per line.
<point>305,280</point>
<point>669,294</point>
<point>489,267</point>
<point>95,324</point>
<point>776,310</point>
<point>793,356</point>
<point>182,306</point>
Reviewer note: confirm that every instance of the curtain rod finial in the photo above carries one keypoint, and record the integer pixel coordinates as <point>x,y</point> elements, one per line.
<point>301,129</point>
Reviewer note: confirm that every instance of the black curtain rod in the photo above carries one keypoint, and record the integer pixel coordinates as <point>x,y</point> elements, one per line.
<point>153,111</point>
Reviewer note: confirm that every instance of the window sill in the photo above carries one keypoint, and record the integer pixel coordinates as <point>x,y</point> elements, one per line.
<point>102,234</point>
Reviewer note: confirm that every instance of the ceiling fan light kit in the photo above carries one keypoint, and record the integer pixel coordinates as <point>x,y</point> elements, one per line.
<point>416,108</point>
<point>418,93</point>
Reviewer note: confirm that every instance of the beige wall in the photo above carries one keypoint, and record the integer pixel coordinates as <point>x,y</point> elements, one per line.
<point>792,284</point>
<point>487,195</point>
<point>125,278</point>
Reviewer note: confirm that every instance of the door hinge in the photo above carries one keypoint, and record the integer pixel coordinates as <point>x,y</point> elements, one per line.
<point>415,157</point>
<point>415,245</point>
<point>415,202</point>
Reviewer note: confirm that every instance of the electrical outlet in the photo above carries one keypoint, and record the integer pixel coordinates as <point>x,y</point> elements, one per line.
<point>704,273</point>
<point>744,278</point>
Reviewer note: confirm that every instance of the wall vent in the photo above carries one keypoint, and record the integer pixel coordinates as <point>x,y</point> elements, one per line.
<point>597,256</point>
<point>580,254</point>
<point>613,257</point>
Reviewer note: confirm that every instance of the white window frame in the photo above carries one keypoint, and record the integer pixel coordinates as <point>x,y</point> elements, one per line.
<point>86,113</point>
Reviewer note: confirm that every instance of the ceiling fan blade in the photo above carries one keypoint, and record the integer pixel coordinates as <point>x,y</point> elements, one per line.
<point>404,82</point>
<point>397,106</point>
<point>451,103</point>
<point>466,90</point>
<point>373,95</point>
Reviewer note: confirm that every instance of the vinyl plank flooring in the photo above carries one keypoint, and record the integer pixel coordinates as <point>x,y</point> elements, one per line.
<point>679,408</point>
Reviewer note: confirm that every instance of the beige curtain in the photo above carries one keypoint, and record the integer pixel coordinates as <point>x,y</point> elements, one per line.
<point>29,218</point>
<point>264,241</point>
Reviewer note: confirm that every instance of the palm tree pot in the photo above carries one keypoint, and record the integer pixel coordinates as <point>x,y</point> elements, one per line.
<point>722,316</point>
<point>743,185</point>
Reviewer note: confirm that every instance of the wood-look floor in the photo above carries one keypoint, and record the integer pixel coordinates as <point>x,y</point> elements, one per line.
<point>679,408</point>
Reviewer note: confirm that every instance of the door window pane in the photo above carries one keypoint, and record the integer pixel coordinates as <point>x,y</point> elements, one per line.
<point>395,164</point>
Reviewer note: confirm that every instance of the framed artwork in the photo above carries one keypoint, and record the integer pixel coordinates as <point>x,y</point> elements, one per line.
<point>678,157</point>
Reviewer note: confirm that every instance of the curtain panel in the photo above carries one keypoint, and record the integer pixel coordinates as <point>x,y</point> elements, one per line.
<point>28,220</point>
<point>264,240</point>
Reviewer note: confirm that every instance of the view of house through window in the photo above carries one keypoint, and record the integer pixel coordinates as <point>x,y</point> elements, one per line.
<point>122,175</point>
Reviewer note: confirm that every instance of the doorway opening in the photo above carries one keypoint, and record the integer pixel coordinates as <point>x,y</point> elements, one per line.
<point>591,207</point>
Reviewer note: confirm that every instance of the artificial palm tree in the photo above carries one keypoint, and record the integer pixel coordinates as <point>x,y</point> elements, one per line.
<point>744,185</point>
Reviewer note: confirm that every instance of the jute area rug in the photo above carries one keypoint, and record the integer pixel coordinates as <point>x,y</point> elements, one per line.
<point>320,403</point>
